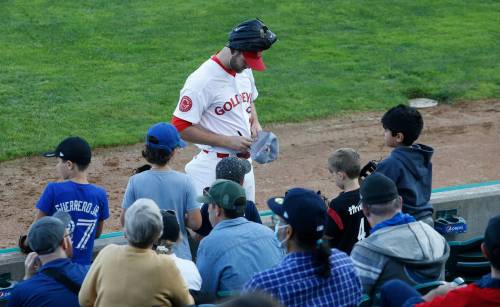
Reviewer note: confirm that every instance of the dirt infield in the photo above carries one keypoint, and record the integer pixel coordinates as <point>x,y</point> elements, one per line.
<point>465,136</point>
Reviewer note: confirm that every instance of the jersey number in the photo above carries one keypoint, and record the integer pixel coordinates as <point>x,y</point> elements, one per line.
<point>361,232</point>
<point>89,230</point>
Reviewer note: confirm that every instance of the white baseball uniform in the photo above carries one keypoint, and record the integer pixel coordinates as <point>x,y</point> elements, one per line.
<point>220,102</point>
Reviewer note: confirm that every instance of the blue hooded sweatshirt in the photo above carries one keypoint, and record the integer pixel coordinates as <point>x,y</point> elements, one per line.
<point>411,169</point>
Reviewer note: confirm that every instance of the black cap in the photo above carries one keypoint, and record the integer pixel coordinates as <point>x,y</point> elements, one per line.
<point>303,209</point>
<point>74,149</point>
<point>232,168</point>
<point>377,189</point>
<point>492,240</point>
<point>251,35</point>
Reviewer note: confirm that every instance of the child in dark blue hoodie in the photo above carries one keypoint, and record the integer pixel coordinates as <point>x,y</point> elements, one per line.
<point>409,165</point>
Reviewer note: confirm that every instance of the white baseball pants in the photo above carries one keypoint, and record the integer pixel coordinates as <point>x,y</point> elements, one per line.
<point>201,170</point>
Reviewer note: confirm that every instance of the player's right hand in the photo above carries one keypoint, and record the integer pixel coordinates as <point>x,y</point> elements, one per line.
<point>239,143</point>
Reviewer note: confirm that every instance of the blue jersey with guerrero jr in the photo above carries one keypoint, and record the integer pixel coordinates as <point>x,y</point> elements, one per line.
<point>86,203</point>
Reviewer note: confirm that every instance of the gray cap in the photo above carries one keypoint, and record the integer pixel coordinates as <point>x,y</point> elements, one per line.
<point>46,234</point>
<point>232,168</point>
<point>266,148</point>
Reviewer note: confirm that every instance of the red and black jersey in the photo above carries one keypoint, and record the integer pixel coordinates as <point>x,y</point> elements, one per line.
<point>346,222</point>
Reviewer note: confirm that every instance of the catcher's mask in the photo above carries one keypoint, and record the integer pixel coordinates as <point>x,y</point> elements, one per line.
<point>251,35</point>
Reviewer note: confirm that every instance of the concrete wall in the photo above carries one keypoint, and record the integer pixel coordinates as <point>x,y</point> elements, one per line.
<point>476,204</point>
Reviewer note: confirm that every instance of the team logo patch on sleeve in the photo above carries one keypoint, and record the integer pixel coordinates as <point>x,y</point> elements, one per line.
<point>185,104</point>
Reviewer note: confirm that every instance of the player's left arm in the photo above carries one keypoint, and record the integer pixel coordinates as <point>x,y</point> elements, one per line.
<point>254,121</point>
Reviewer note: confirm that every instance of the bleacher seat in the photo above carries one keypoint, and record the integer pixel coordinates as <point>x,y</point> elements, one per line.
<point>227,294</point>
<point>6,286</point>
<point>466,260</point>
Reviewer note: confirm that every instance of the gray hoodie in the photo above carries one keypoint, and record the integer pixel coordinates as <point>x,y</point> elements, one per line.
<point>412,252</point>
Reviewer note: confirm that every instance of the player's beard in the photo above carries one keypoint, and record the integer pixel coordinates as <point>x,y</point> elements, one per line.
<point>234,65</point>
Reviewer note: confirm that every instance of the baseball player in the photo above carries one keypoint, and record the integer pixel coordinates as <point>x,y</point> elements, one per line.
<point>216,109</point>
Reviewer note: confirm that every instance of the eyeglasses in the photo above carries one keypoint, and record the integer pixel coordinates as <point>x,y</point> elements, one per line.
<point>68,235</point>
<point>206,193</point>
<point>69,231</point>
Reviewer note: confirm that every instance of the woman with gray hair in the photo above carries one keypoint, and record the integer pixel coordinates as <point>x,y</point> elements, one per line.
<point>133,274</point>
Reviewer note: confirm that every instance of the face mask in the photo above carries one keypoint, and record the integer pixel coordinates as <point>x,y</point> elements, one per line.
<point>277,228</point>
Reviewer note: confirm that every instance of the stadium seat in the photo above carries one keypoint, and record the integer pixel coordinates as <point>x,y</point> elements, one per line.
<point>227,294</point>
<point>365,301</point>
<point>6,285</point>
<point>466,260</point>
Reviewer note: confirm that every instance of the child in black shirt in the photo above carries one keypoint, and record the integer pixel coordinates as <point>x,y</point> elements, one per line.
<point>346,223</point>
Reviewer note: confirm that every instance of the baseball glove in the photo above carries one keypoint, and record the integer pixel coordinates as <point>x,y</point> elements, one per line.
<point>141,169</point>
<point>367,170</point>
<point>324,198</point>
<point>23,245</point>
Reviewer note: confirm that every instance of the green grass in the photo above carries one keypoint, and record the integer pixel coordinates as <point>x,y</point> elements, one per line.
<point>106,70</point>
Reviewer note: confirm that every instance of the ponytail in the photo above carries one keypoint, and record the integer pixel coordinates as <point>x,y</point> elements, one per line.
<point>321,253</point>
<point>322,258</point>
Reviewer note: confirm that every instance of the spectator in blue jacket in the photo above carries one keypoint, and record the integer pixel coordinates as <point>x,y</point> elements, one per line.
<point>236,248</point>
<point>51,278</point>
<point>409,165</point>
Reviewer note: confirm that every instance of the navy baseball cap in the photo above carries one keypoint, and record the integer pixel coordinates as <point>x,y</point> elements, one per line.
<point>74,149</point>
<point>164,136</point>
<point>303,209</point>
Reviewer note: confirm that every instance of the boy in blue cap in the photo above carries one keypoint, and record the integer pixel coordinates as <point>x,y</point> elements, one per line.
<point>170,189</point>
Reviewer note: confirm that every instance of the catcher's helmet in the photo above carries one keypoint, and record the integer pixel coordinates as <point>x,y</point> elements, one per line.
<point>251,35</point>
